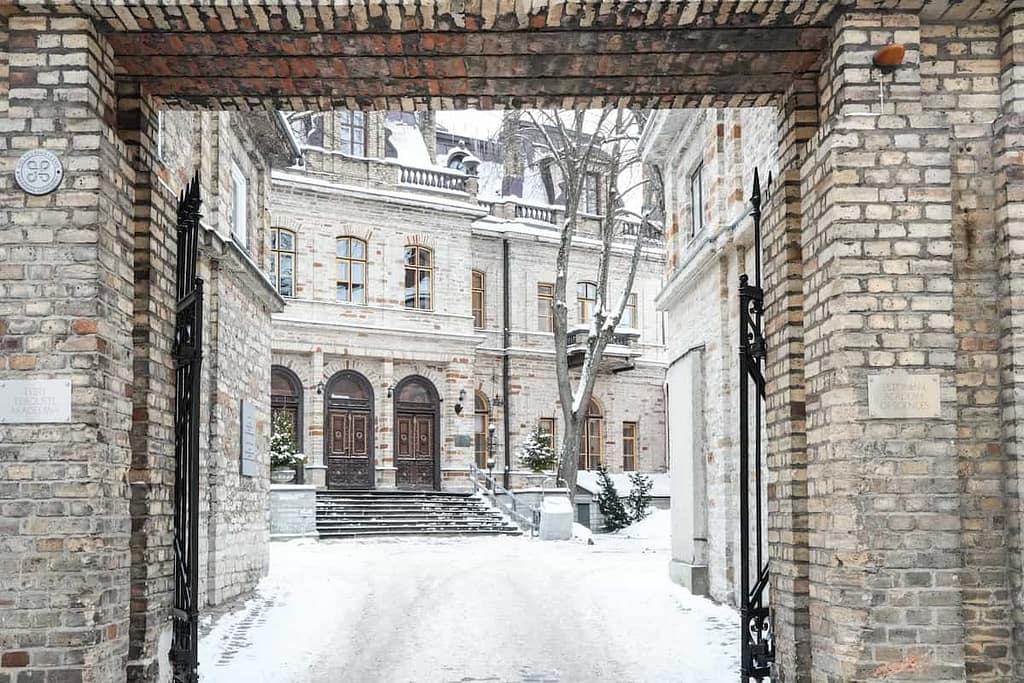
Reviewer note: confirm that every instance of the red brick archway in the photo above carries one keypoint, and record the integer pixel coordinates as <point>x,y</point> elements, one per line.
<point>805,56</point>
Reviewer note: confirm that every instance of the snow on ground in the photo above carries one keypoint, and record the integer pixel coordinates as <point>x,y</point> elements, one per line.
<point>474,609</point>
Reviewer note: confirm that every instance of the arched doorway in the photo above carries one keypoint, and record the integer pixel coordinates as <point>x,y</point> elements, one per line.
<point>417,444</point>
<point>592,437</point>
<point>348,431</point>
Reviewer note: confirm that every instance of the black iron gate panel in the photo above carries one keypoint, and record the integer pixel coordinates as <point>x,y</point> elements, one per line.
<point>757,645</point>
<point>188,356</point>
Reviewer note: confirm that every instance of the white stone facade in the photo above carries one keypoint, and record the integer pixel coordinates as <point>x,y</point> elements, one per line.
<point>316,335</point>
<point>704,261</point>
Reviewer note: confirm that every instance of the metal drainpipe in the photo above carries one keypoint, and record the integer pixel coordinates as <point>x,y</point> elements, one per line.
<point>505,361</point>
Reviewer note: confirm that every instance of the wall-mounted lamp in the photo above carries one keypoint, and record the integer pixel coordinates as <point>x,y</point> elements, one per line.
<point>320,388</point>
<point>497,401</point>
<point>889,57</point>
<point>462,395</point>
<point>458,404</point>
<point>391,390</point>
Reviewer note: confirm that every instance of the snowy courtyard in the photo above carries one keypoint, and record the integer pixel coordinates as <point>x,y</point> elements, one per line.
<point>484,609</point>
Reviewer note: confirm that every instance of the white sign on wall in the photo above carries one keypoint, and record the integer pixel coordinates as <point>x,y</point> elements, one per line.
<point>29,401</point>
<point>249,464</point>
<point>38,171</point>
<point>901,395</point>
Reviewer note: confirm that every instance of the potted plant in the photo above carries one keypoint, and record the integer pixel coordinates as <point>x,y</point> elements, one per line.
<point>537,455</point>
<point>283,458</point>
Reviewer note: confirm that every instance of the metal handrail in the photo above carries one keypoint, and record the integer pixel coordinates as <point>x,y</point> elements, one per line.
<point>493,489</point>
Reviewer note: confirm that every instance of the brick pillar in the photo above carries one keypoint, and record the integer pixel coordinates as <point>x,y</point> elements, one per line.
<point>883,494</point>
<point>1009,214</point>
<point>66,293</point>
<point>785,423</point>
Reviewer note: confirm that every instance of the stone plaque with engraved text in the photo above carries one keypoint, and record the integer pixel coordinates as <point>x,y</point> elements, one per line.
<point>28,401</point>
<point>903,395</point>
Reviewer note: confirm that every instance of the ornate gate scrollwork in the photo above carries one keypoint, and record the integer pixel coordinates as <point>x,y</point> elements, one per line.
<point>757,649</point>
<point>188,356</point>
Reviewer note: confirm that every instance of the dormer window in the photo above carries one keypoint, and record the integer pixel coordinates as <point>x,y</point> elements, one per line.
<point>352,133</point>
<point>461,159</point>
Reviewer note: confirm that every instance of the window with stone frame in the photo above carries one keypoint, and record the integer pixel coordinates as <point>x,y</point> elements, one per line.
<point>351,266</point>
<point>481,435</point>
<point>545,307</point>
<point>629,318</point>
<point>592,438</point>
<point>546,425</point>
<point>697,200</point>
<point>352,133</point>
<point>629,449</point>
<point>591,199</point>
<point>479,298</point>
<point>419,278</point>
<point>238,207</point>
<point>282,261</point>
<point>586,297</point>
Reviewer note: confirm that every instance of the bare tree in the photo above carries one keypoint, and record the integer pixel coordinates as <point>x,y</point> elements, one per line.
<point>577,143</point>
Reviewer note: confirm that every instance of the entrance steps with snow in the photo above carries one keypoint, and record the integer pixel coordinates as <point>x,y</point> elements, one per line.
<point>351,514</point>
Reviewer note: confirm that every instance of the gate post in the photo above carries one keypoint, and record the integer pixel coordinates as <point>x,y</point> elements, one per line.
<point>884,492</point>
<point>66,287</point>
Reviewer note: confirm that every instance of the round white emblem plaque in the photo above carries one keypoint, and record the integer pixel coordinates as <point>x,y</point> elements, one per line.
<point>38,171</point>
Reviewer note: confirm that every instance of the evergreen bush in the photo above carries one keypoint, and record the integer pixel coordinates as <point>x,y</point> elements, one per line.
<point>609,503</point>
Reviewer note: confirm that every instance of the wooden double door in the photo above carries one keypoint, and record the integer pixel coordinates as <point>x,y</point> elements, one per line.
<point>415,454</point>
<point>417,448</point>
<point>348,432</point>
<point>350,449</point>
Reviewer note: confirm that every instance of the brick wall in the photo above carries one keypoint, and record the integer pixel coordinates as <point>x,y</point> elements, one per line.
<point>65,311</point>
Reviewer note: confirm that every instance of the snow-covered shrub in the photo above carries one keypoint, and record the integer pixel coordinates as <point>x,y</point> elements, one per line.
<point>609,503</point>
<point>639,500</point>
<point>282,442</point>
<point>536,452</point>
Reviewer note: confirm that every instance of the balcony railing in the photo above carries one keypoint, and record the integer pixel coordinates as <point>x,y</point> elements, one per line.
<point>535,213</point>
<point>433,179</point>
<point>632,229</point>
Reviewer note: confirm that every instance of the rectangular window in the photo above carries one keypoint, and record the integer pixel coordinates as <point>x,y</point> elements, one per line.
<point>160,135</point>
<point>351,262</point>
<point>697,200</point>
<point>547,426</point>
<point>629,318</point>
<point>629,446</point>
<point>352,133</point>
<point>282,261</point>
<point>238,204</point>
<point>591,202</point>
<point>586,296</point>
<point>478,299</point>
<point>545,306</point>
<point>419,278</point>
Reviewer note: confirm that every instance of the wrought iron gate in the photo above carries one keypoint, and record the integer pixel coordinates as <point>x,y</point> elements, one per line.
<point>188,356</point>
<point>758,643</point>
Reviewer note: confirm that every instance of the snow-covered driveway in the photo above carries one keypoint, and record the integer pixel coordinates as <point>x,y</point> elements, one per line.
<point>486,609</point>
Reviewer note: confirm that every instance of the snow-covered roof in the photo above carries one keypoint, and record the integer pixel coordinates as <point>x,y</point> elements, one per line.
<point>588,481</point>
<point>408,143</point>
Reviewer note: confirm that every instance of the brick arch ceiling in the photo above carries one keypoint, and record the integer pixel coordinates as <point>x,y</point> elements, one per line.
<point>413,54</point>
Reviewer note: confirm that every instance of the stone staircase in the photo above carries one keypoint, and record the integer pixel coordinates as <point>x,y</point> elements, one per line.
<point>349,514</point>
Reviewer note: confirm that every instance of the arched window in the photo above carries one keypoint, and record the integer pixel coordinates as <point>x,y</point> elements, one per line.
<point>419,278</point>
<point>481,420</point>
<point>286,399</point>
<point>282,261</point>
<point>586,295</point>
<point>591,441</point>
<point>351,265</point>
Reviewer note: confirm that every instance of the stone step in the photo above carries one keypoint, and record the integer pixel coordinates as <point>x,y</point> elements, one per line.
<point>341,514</point>
<point>417,528</point>
<point>401,532</point>
<point>384,493</point>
